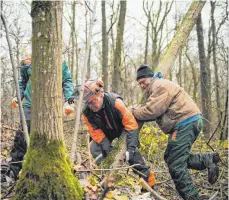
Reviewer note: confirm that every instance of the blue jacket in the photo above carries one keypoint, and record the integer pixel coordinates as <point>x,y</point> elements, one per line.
<point>25,83</point>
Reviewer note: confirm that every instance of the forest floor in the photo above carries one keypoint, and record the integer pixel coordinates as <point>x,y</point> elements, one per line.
<point>128,187</point>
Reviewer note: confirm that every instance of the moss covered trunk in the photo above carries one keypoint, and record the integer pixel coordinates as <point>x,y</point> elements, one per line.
<point>47,172</point>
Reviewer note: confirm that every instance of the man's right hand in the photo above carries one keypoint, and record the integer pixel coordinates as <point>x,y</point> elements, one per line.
<point>14,102</point>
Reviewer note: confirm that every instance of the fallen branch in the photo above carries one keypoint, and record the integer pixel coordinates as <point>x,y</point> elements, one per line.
<point>214,195</point>
<point>118,168</point>
<point>149,189</point>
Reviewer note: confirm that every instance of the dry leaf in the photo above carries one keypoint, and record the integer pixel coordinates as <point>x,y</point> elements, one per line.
<point>109,195</point>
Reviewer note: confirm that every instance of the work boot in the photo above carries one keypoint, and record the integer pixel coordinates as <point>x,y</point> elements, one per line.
<point>151,181</point>
<point>210,161</point>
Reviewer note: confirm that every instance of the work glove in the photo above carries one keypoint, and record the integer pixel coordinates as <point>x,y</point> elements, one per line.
<point>106,147</point>
<point>71,100</point>
<point>130,155</point>
<point>14,102</point>
<point>68,109</point>
<point>75,94</point>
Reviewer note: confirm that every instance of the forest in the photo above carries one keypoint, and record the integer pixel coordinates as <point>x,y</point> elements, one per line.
<point>162,139</point>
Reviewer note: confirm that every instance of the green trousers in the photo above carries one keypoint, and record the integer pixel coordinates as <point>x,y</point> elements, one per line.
<point>179,159</point>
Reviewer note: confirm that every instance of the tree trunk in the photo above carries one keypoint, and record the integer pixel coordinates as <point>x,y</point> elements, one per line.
<point>104,47</point>
<point>147,41</point>
<point>224,131</point>
<point>73,35</point>
<point>208,59</point>
<point>46,172</point>
<point>203,75</point>
<point>178,41</point>
<point>89,64</point>
<point>195,82</point>
<point>179,74</point>
<point>118,50</point>
<point>214,59</point>
<point>77,62</point>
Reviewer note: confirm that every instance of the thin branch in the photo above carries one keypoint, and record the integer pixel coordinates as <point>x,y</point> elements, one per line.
<point>113,169</point>
<point>148,188</point>
<point>24,125</point>
<point>88,7</point>
<point>84,72</point>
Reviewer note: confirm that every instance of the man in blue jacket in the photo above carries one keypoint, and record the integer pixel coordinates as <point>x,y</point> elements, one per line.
<point>19,147</point>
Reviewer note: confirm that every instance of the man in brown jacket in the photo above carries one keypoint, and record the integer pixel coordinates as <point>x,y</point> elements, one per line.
<point>177,115</point>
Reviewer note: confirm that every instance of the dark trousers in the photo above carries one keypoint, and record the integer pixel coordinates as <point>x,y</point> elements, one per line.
<point>99,152</point>
<point>179,159</point>
<point>20,147</point>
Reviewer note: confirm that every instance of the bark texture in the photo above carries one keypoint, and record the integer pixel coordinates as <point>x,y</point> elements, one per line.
<point>47,170</point>
<point>203,74</point>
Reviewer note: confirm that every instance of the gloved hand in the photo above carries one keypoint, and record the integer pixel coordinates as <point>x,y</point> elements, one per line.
<point>71,100</point>
<point>75,94</point>
<point>106,147</point>
<point>68,109</point>
<point>130,155</point>
<point>14,102</point>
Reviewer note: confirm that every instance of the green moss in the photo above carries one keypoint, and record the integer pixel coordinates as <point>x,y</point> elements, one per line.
<point>125,181</point>
<point>92,180</point>
<point>47,172</point>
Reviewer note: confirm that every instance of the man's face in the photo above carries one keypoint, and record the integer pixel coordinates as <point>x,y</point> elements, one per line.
<point>144,83</point>
<point>96,104</point>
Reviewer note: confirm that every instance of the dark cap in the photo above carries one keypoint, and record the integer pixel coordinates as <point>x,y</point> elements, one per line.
<point>144,71</point>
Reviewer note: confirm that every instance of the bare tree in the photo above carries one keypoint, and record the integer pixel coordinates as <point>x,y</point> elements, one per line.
<point>147,11</point>
<point>194,77</point>
<point>104,46</point>
<point>84,72</point>
<point>73,30</point>
<point>119,42</point>
<point>203,75</point>
<point>216,73</point>
<point>157,22</point>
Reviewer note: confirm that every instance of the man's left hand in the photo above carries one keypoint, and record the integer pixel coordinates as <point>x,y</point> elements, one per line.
<point>130,155</point>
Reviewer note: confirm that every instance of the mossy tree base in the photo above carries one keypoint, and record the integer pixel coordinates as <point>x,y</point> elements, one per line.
<point>46,172</point>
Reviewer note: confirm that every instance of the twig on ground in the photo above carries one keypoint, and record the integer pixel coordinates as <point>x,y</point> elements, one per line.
<point>148,188</point>
<point>214,195</point>
<point>120,168</point>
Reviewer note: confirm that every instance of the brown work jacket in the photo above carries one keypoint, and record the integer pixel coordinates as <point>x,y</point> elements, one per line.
<point>168,104</point>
